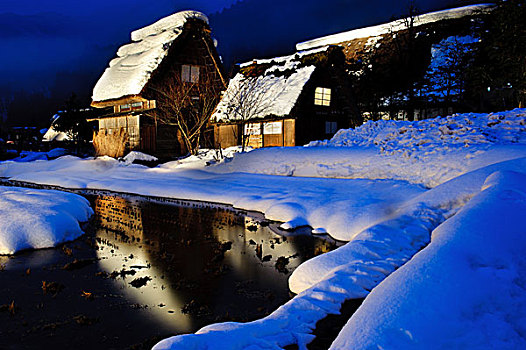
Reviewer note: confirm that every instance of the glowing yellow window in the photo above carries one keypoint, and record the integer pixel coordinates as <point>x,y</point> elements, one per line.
<point>322,96</point>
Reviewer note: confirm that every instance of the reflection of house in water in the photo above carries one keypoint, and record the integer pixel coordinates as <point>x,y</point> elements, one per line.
<point>155,222</point>
<point>181,247</point>
<point>185,223</point>
<point>118,214</point>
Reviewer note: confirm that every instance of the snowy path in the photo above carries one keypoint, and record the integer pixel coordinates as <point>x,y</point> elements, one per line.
<point>341,207</point>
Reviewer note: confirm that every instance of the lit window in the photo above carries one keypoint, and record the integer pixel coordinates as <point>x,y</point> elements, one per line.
<point>190,74</point>
<point>331,127</point>
<point>126,107</point>
<point>273,128</point>
<point>322,96</point>
<point>136,105</point>
<point>252,129</point>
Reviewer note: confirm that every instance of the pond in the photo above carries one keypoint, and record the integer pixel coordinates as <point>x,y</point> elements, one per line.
<point>145,270</point>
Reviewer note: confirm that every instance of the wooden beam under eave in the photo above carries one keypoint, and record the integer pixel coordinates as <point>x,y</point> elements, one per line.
<point>118,101</point>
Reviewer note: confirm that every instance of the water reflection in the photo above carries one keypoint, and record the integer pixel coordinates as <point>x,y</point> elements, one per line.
<point>200,263</point>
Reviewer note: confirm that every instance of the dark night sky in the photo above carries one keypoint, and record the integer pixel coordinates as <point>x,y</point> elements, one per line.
<point>61,46</point>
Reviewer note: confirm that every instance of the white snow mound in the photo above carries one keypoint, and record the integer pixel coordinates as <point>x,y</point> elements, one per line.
<point>464,290</point>
<point>34,219</point>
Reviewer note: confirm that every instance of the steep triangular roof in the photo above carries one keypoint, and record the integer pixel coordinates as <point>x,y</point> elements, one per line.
<point>131,70</point>
<point>269,87</point>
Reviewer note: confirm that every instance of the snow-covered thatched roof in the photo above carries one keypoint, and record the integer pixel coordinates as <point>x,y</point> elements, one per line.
<point>390,27</point>
<point>271,89</point>
<point>130,71</point>
<point>54,135</point>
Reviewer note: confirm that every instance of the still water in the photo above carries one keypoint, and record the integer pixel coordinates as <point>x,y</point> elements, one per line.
<point>147,269</point>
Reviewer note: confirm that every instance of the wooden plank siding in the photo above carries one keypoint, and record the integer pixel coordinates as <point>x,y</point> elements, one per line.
<point>229,135</point>
<point>309,121</point>
<point>157,134</point>
<point>148,139</point>
<point>289,127</point>
<point>226,135</point>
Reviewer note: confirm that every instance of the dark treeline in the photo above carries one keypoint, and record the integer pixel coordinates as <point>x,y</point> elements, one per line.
<point>479,67</point>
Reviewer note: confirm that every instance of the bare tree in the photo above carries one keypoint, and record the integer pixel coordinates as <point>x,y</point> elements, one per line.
<point>405,49</point>
<point>246,99</point>
<point>187,105</point>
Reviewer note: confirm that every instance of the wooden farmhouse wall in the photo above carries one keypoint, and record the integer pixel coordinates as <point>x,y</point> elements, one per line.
<point>148,127</point>
<point>193,48</point>
<point>275,133</point>
<point>325,105</point>
<point>316,121</point>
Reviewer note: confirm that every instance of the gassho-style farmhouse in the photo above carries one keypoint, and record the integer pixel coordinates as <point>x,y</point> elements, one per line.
<point>281,101</point>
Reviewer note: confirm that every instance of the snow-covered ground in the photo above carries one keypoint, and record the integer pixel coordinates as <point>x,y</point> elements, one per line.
<point>451,188</point>
<point>465,290</point>
<point>33,219</point>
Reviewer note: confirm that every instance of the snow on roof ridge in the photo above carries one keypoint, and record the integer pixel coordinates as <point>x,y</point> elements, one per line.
<point>129,72</point>
<point>173,21</point>
<point>297,54</point>
<point>396,25</point>
<point>283,90</point>
<point>278,94</point>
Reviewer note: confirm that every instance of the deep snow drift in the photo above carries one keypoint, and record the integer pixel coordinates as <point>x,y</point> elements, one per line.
<point>32,219</point>
<point>365,186</point>
<point>464,290</point>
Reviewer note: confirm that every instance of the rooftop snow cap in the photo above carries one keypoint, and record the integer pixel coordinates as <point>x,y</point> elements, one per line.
<point>272,93</point>
<point>397,25</point>
<point>136,61</point>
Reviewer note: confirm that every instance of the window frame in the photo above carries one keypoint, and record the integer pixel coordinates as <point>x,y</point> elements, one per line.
<point>190,73</point>
<point>331,127</point>
<point>125,107</point>
<point>322,96</point>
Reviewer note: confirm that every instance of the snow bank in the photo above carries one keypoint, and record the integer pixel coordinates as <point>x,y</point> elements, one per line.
<point>436,135</point>
<point>464,290</point>
<point>427,152</point>
<point>130,71</point>
<point>26,156</point>
<point>342,207</point>
<point>401,235</point>
<point>204,157</point>
<point>135,155</point>
<point>33,219</point>
<point>390,27</point>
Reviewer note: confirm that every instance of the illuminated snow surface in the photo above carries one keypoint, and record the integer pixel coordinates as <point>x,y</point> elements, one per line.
<point>450,189</point>
<point>33,219</point>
